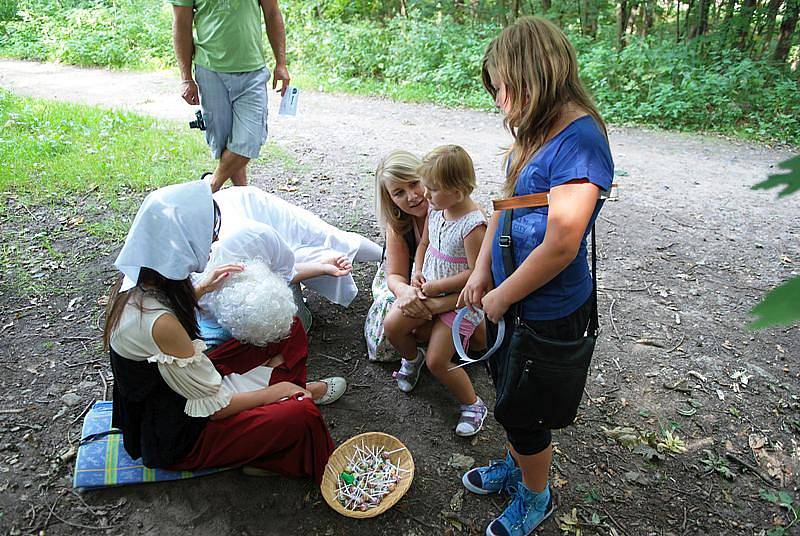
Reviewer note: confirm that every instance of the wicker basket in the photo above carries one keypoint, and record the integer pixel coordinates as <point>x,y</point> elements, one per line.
<point>338,462</point>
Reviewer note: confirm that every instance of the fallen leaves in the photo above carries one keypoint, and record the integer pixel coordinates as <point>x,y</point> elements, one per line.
<point>647,443</point>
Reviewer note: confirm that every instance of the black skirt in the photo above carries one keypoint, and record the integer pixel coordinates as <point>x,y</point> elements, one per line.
<point>151,415</point>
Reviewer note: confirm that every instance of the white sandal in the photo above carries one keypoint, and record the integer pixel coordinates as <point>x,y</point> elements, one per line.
<point>336,387</point>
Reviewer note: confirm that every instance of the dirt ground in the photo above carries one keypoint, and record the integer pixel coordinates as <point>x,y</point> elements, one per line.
<point>685,252</point>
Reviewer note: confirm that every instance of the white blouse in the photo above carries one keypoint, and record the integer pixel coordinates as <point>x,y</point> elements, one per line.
<point>195,379</point>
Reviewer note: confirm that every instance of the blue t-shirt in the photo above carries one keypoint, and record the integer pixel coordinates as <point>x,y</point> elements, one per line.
<point>580,151</point>
<point>210,331</point>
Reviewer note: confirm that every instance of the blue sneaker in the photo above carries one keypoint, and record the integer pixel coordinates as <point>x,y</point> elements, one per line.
<point>524,514</point>
<point>493,478</point>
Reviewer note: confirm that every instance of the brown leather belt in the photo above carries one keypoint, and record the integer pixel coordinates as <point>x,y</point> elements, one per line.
<point>541,199</point>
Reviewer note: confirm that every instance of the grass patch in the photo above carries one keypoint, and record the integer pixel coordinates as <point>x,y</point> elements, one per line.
<point>72,177</point>
<point>57,148</point>
<point>701,86</point>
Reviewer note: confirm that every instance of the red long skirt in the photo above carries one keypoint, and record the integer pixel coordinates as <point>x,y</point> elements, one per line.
<point>288,437</point>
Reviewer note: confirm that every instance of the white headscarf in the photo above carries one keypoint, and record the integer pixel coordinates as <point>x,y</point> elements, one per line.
<point>309,237</point>
<point>255,240</point>
<point>171,233</point>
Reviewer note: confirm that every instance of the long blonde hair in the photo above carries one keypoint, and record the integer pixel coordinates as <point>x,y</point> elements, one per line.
<point>398,166</point>
<point>537,63</point>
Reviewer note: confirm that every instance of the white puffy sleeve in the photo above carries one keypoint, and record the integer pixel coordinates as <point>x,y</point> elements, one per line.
<point>195,379</point>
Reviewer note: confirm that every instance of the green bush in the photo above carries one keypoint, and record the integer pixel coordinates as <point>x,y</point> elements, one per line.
<point>123,33</point>
<point>435,58</point>
<point>8,10</point>
<point>647,83</point>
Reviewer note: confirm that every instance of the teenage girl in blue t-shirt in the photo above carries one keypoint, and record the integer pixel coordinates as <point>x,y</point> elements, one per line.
<point>560,144</point>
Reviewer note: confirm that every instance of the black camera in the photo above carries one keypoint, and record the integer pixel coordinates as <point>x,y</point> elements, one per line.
<point>199,122</point>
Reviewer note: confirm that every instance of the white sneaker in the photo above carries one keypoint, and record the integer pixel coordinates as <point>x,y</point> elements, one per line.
<point>408,375</point>
<point>471,420</point>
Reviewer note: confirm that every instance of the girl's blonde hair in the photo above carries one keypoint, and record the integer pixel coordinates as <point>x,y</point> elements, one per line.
<point>448,167</point>
<point>398,166</point>
<point>537,63</point>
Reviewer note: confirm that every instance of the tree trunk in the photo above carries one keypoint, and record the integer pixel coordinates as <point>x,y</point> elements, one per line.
<point>730,6</point>
<point>546,5</point>
<point>769,25</point>
<point>678,21</point>
<point>700,24</point>
<point>649,16</point>
<point>588,16</point>
<point>624,13</point>
<point>633,8</point>
<point>704,9</point>
<point>743,24</point>
<point>688,17</point>
<point>791,11</point>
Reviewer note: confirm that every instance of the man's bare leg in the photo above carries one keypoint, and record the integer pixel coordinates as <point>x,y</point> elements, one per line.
<point>240,177</point>
<point>230,165</point>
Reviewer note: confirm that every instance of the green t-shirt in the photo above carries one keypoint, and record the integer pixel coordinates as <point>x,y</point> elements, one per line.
<point>227,34</point>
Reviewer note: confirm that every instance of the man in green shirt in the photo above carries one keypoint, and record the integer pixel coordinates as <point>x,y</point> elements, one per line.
<point>230,74</point>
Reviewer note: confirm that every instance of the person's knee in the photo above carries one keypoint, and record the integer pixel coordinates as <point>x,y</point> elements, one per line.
<point>528,441</point>
<point>393,325</point>
<point>297,416</point>
<point>437,366</point>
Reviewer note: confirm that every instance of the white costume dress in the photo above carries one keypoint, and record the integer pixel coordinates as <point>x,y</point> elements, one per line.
<point>307,236</point>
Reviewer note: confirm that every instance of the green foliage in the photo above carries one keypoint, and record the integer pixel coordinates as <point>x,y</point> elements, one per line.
<point>790,179</point>
<point>779,307</point>
<point>412,59</point>
<point>784,500</point>
<point>60,148</point>
<point>118,33</point>
<point>8,10</point>
<point>782,304</point>
<point>433,54</point>
<point>717,464</point>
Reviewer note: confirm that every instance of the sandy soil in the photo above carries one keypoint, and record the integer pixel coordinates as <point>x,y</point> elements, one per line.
<point>686,251</point>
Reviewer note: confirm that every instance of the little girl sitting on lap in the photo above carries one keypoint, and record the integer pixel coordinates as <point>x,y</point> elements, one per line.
<point>444,259</point>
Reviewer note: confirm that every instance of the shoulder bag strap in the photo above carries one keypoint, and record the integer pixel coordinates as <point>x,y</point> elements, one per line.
<point>507,249</point>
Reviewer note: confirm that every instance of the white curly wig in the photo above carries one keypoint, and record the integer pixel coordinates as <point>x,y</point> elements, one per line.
<point>255,305</point>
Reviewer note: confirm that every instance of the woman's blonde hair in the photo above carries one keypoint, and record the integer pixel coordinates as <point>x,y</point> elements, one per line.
<point>448,167</point>
<point>398,166</point>
<point>537,63</point>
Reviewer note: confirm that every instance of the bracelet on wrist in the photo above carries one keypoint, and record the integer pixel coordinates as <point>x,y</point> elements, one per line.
<point>189,81</point>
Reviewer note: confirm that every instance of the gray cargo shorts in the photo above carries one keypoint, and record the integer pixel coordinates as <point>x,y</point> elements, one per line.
<point>235,110</point>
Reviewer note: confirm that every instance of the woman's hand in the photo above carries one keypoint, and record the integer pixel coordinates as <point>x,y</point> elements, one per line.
<point>216,277</point>
<point>260,397</point>
<point>287,390</point>
<point>409,301</point>
<point>337,266</point>
<point>478,284</point>
<point>495,304</point>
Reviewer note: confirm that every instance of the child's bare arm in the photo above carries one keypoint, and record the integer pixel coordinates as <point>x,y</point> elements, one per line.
<point>447,285</point>
<point>417,279</point>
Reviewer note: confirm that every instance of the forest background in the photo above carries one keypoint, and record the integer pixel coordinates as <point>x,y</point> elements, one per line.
<point>725,66</point>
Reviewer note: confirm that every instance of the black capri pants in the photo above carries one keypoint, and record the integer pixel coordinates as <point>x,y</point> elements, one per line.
<point>532,439</point>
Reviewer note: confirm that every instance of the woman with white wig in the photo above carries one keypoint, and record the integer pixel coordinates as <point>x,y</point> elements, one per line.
<point>173,406</point>
<point>258,243</point>
<point>308,237</point>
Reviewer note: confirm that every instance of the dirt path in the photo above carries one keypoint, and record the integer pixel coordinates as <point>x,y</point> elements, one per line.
<point>686,251</point>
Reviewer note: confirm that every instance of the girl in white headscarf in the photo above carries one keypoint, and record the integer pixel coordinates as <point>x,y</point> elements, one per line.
<point>151,333</point>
